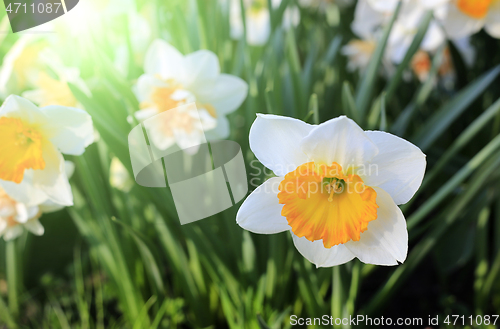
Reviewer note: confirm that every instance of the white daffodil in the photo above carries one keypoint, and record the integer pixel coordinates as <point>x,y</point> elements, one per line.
<point>462,18</point>
<point>16,216</point>
<point>371,16</point>
<point>32,167</point>
<point>54,89</point>
<point>258,19</point>
<point>359,52</point>
<point>21,65</point>
<point>337,189</point>
<point>172,80</point>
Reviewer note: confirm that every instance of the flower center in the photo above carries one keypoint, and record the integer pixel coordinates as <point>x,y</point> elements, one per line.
<point>55,92</point>
<point>164,98</point>
<point>323,203</point>
<point>7,209</point>
<point>474,8</point>
<point>21,149</point>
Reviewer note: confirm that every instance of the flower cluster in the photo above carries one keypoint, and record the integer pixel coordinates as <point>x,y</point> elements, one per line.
<point>453,20</point>
<point>33,173</point>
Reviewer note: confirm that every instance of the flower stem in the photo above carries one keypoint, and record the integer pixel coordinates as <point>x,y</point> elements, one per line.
<point>337,294</point>
<point>12,277</point>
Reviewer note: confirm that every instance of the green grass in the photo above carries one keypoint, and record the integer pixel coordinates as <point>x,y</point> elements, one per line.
<point>122,260</point>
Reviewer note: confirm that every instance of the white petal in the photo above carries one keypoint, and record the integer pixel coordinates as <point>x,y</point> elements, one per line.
<point>22,213</point>
<point>275,141</point>
<point>385,242</point>
<point>50,206</point>
<point>339,140</point>
<point>258,27</point>
<point>146,84</point>
<point>458,25</point>
<point>146,113</point>
<point>226,94</point>
<point>433,4</point>
<point>291,17</point>
<point>235,21</point>
<point>24,192</point>
<point>261,211</point>
<point>316,253</point>
<point>163,59</point>
<point>200,67</point>
<point>18,107</point>
<point>433,38</point>
<point>398,168</point>
<point>157,135</point>
<point>366,20</point>
<point>53,180</point>
<point>71,129</point>
<point>466,49</point>
<point>33,212</point>
<point>12,232</point>
<point>3,226</point>
<point>493,20</point>
<point>384,6</point>
<point>69,168</point>
<point>221,131</point>
<point>35,227</point>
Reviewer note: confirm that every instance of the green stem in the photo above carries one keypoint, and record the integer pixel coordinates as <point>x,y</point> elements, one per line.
<point>336,294</point>
<point>12,277</point>
<point>353,290</point>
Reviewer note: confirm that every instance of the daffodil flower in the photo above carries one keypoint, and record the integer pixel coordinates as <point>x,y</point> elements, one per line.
<point>359,52</point>
<point>16,216</point>
<point>21,65</point>
<point>172,80</point>
<point>462,18</point>
<point>372,15</point>
<point>32,167</point>
<point>258,20</point>
<point>337,189</point>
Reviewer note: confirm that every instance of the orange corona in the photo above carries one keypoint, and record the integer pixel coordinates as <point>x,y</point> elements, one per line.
<point>323,203</point>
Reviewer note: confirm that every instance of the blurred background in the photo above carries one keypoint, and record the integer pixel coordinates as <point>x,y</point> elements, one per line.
<point>119,257</point>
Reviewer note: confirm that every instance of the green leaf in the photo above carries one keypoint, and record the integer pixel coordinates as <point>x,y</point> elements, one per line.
<point>365,90</point>
<point>443,118</point>
<point>417,40</point>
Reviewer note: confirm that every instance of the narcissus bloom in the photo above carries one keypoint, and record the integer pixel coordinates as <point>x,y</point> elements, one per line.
<point>337,189</point>
<point>21,65</point>
<point>53,89</point>
<point>16,216</point>
<point>32,167</point>
<point>462,18</point>
<point>172,80</point>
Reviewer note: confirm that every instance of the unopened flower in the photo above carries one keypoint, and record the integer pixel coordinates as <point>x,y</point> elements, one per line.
<point>32,167</point>
<point>258,19</point>
<point>172,80</point>
<point>337,189</point>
